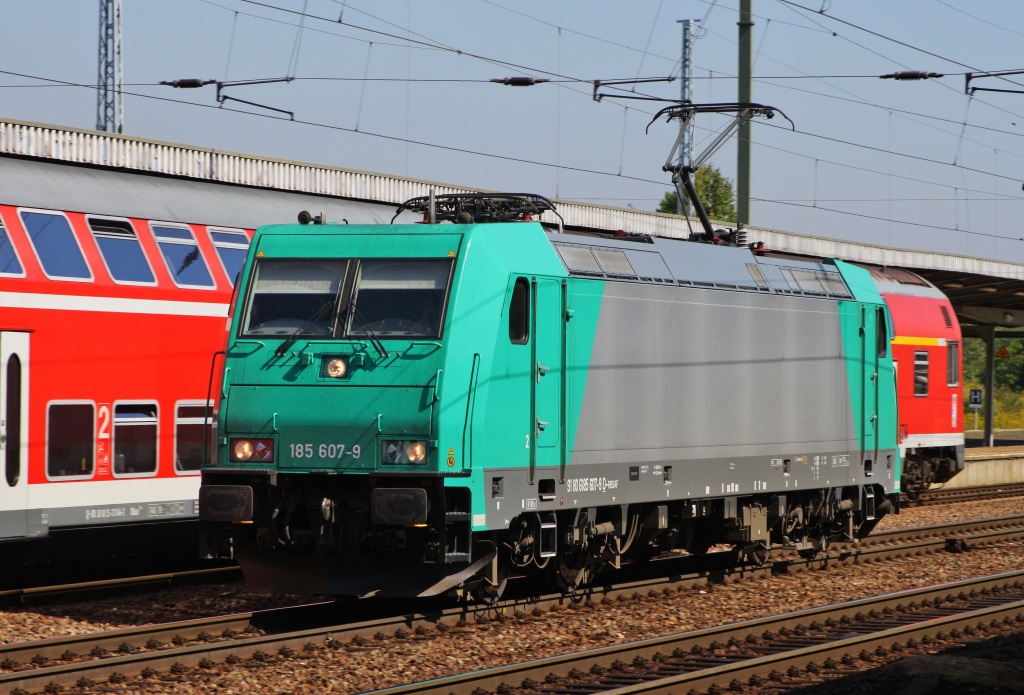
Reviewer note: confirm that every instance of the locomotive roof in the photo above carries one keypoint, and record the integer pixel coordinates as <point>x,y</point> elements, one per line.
<point>686,263</point>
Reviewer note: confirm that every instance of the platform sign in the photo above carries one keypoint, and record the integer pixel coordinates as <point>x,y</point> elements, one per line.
<point>975,404</point>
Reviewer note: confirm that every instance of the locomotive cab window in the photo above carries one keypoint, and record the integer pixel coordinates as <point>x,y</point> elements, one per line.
<point>70,440</point>
<point>881,332</point>
<point>135,438</point>
<point>293,297</point>
<point>519,313</point>
<point>400,298</point>
<point>921,373</point>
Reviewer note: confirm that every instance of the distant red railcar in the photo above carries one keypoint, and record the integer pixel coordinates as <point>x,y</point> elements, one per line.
<point>927,351</point>
<point>106,337</point>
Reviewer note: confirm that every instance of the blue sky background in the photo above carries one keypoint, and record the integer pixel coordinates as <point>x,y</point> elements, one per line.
<point>403,87</point>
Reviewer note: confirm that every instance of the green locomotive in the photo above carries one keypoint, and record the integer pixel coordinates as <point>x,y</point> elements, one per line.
<point>412,409</point>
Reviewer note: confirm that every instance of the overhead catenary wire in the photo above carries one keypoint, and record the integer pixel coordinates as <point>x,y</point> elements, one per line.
<point>618,174</point>
<point>344,11</point>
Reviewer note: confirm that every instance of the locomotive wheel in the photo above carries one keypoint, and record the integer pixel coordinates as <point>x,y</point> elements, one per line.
<point>811,553</point>
<point>489,594</point>
<point>757,554</point>
<point>571,572</point>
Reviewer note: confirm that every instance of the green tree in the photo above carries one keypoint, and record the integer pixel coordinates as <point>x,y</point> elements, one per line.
<point>715,193</point>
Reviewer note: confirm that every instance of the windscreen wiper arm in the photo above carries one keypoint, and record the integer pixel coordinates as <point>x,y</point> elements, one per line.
<point>377,345</point>
<point>318,316</point>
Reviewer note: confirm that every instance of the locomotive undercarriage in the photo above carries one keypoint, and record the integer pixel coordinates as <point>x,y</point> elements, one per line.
<point>412,536</point>
<point>925,466</point>
<point>573,546</point>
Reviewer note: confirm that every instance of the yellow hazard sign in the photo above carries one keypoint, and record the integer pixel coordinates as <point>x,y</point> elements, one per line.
<point>1003,353</point>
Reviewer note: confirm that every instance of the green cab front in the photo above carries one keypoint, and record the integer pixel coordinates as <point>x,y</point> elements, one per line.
<point>342,462</point>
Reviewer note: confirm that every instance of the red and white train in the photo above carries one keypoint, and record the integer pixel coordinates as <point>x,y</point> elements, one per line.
<point>926,349</point>
<point>114,288</point>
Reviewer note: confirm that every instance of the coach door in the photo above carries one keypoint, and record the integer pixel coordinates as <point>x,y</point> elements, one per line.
<point>14,433</point>
<point>548,379</point>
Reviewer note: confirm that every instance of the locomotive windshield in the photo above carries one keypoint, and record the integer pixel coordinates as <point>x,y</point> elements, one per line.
<point>399,298</point>
<point>294,297</point>
<point>382,298</point>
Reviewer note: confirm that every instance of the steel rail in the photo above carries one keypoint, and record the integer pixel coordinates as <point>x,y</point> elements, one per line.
<point>964,494</point>
<point>655,656</point>
<point>26,594</point>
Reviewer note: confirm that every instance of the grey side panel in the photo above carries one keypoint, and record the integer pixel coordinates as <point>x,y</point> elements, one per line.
<point>661,482</point>
<point>689,374</point>
<point>30,183</point>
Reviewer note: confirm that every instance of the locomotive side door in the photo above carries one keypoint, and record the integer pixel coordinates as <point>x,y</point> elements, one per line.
<point>873,345</point>
<point>14,433</point>
<point>548,373</point>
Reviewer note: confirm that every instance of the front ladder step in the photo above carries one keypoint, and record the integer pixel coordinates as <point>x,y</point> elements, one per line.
<point>548,539</point>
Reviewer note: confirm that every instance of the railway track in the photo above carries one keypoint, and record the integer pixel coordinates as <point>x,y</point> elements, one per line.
<point>85,660</point>
<point>963,494</point>
<point>102,586</point>
<point>764,652</point>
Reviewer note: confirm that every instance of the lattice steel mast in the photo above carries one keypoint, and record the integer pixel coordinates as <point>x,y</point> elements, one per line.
<point>109,106</point>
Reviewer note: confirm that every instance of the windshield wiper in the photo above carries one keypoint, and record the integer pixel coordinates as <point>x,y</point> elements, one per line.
<point>318,316</point>
<point>377,345</point>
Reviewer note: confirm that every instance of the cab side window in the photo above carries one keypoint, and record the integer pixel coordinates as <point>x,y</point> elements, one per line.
<point>519,313</point>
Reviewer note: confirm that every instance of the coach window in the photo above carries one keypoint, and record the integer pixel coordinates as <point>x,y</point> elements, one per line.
<point>9,263</point>
<point>953,364</point>
<point>191,429</point>
<point>70,440</point>
<point>921,373</point>
<point>55,245</point>
<point>135,437</point>
<point>122,253</point>
<point>182,256</point>
<point>231,248</point>
<point>519,313</point>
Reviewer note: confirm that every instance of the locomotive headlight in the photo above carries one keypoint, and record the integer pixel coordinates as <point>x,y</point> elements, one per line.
<point>336,368</point>
<point>241,450</point>
<point>417,452</point>
<point>398,452</point>
<point>261,450</point>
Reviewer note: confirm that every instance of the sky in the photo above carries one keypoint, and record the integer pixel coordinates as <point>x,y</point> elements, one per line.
<point>403,87</point>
